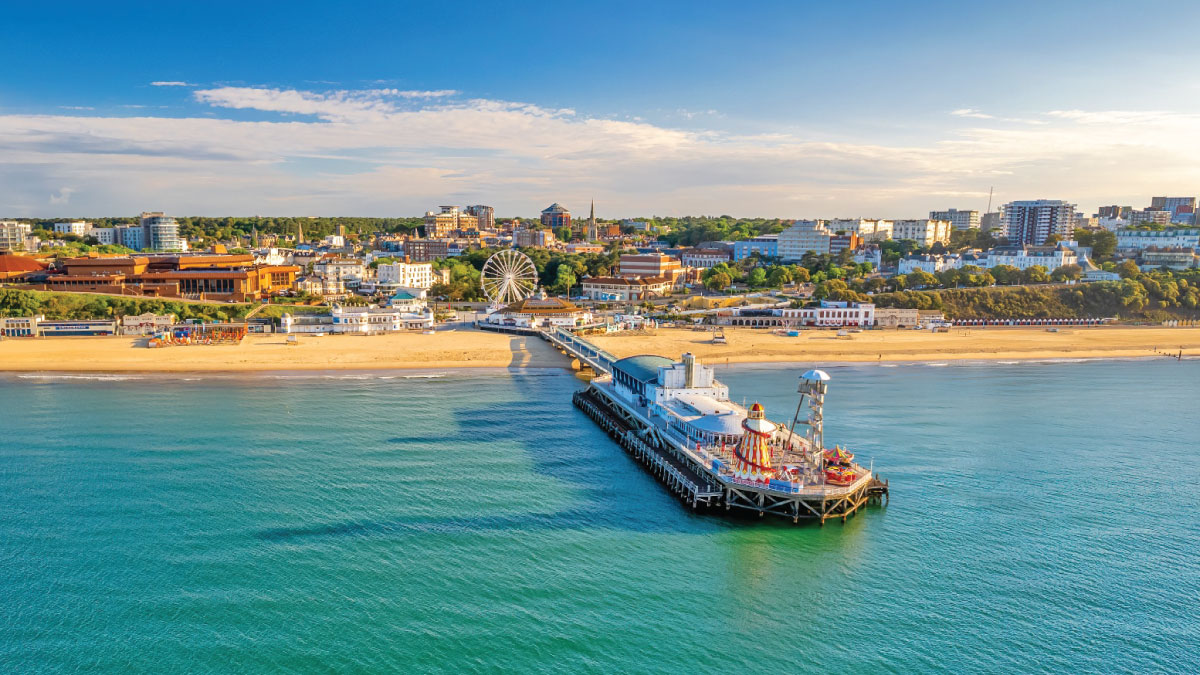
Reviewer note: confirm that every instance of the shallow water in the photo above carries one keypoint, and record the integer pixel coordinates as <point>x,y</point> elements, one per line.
<point>1043,517</point>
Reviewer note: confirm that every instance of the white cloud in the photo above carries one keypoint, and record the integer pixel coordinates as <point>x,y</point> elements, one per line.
<point>171,83</point>
<point>63,196</point>
<point>375,152</point>
<point>970,112</point>
<point>76,107</point>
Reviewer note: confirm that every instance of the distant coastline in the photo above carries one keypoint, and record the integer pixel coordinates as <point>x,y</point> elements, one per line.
<point>447,350</point>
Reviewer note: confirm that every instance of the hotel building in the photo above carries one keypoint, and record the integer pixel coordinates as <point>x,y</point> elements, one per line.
<point>959,220</point>
<point>1033,221</point>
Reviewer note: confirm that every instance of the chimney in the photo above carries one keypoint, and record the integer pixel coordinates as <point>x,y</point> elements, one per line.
<point>689,370</point>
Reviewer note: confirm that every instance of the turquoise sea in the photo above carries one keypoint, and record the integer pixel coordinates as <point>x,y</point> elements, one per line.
<point>1045,517</point>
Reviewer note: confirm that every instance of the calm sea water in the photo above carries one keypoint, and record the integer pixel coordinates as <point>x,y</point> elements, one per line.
<point>1043,518</point>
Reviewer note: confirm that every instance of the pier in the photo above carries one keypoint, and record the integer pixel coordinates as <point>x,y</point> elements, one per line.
<point>702,477</point>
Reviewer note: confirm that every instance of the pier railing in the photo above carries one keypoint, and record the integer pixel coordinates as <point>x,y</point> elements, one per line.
<point>600,360</point>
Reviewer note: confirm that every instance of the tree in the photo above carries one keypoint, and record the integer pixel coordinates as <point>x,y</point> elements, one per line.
<point>1052,240</point>
<point>564,279</point>
<point>718,282</point>
<point>800,275</point>
<point>563,234</point>
<point>1128,269</point>
<point>757,277</point>
<point>779,276</point>
<point>1104,244</point>
<point>1006,275</point>
<point>1036,274</point>
<point>920,279</point>
<point>1067,273</point>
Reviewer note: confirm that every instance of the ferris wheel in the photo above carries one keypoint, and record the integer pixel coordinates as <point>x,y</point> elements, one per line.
<point>508,276</point>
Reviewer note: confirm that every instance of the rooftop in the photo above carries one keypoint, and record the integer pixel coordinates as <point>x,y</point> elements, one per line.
<point>643,368</point>
<point>536,305</point>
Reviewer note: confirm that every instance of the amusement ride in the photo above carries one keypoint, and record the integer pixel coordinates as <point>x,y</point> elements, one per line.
<point>508,276</point>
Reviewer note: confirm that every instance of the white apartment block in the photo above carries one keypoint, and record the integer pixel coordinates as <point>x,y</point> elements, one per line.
<point>1129,241</point>
<point>703,258</point>
<point>1033,221</point>
<point>804,236</point>
<point>76,227</point>
<point>928,263</point>
<point>340,269</point>
<point>13,234</point>
<point>1024,257</point>
<point>407,275</point>
<point>924,232</point>
<point>867,229</point>
<point>959,220</point>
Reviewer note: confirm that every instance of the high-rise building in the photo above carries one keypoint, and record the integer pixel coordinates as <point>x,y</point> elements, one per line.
<point>802,237</point>
<point>484,215</point>
<point>447,221</point>
<point>1033,221</point>
<point>991,221</point>
<point>1114,212</point>
<point>556,216</point>
<point>1176,205</point>
<point>959,220</point>
<point>160,232</point>
<point>1150,216</point>
<point>924,232</point>
<point>13,234</point>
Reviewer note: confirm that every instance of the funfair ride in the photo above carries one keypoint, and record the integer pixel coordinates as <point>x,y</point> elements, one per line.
<point>508,276</point>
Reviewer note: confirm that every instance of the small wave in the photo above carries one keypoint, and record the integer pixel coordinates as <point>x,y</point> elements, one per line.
<point>423,377</point>
<point>937,365</point>
<point>103,378</point>
<point>887,365</point>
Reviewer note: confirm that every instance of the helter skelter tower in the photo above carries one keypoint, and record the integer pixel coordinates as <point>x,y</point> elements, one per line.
<point>752,459</point>
<point>813,385</point>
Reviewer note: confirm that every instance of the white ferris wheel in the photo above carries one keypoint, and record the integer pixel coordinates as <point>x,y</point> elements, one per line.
<point>508,276</point>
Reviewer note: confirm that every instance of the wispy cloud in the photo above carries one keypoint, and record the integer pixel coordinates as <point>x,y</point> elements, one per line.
<point>76,107</point>
<point>375,152</point>
<point>171,83</point>
<point>971,112</point>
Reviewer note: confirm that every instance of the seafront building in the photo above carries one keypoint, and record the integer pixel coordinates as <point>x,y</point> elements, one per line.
<point>618,289</point>
<point>357,320</point>
<point>202,277</point>
<point>13,235</point>
<point>868,229</point>
<point>765,245</point>
<point>1133,240</point>
<point>540,312</point>
<point>1024,257</point>
<point>703,258</point>
<point>959,220</point>
<point>649,265</point>
<point>1033,221</point>
<point>804,236</point>
<point>406,274</point>
<point>925,232</point>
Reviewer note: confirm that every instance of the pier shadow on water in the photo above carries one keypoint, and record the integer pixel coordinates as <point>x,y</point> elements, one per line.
<point>609,489</point>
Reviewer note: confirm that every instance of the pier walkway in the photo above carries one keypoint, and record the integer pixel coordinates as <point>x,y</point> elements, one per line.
<point>587,353</point>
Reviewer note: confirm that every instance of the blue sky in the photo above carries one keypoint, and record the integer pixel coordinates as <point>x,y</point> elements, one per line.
<point>786,109</point>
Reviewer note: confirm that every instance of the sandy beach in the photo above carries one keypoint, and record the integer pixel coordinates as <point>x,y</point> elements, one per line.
<point>478,349</point>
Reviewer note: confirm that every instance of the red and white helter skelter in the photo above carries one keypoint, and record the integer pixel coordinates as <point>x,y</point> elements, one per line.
<point>752,460</point>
